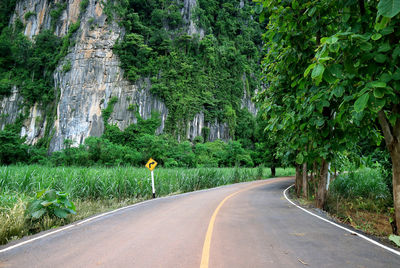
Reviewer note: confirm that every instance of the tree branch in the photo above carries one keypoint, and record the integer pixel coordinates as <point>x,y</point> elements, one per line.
<point>362,7</point>
<point>362,13</point>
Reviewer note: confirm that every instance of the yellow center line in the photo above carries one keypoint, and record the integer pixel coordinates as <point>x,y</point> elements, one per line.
<point>205,257</point>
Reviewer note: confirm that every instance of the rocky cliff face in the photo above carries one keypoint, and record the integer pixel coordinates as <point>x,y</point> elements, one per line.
<point>94,77</point>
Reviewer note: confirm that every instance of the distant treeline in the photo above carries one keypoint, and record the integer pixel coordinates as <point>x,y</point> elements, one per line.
<point>134,146</point>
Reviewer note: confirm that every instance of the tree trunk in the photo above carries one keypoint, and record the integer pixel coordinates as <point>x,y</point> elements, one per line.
<point>305,184</point>
<point>392,136</point>
<point>273,171</point>
<point>396,184</point>
<point>298,180</point>
<point>312,178</point>
<point>321,193</point>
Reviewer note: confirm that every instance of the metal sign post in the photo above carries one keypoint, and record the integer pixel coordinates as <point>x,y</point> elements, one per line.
<point>152,184</point>
<point>151,164</point>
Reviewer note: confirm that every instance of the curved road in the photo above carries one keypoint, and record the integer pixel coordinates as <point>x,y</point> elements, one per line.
<point>253,226</point>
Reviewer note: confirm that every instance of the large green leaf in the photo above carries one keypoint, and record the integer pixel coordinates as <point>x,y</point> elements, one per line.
<point>317,73</point>
<point>51,195</point>
<point>396,52</point>
<point>309,68</point>
<point>386,77</point>
<point>395,239</point>
<point>376,36</point>
<point>379,93</point>
<point>299,158</point>
<point>336,70</point>
<point>38,213</point>
<point>338,91</point>
<point>328,77</point>
<point>396,75</point>
<point>385,47</point>
<point>61,213</point>
<point>40,193</point>
<point>258,8</point>
<point>361,103</point>
<point>366,46</point>
<point>319,122</point>
<point>46,203</point>
<point>388,8</point>
<point>381,58</point>
<point>378,104</point>
<point>376,84</point>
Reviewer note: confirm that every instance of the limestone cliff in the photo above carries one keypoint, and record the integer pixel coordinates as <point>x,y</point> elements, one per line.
<point>93,78</point>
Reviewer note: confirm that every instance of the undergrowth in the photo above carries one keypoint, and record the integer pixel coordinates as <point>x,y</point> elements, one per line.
<point>361,198</point>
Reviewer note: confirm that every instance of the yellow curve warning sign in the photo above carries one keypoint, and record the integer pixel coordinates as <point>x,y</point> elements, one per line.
<point>151,164</point>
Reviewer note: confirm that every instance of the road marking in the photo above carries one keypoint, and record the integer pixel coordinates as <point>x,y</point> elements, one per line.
<point>207,241</point>
<point>341,227</point>
<point>205,257</point>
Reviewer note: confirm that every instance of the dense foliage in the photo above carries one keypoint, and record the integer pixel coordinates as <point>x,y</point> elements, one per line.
<point>333,80</point>
<point>133,146</point>
<point>28,66</point>
<point>138,142</point>
<point>192,73</point>
<point>6,9</point>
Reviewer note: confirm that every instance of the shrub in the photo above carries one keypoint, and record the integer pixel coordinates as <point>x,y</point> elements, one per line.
<point>67,67</point>
<point>260,172</point>
<point>52,203</point>
<point>29,14</point>
<point>37,155</point>
<point>12,147</point>
<point>364,182</point>
<point>83,5</point>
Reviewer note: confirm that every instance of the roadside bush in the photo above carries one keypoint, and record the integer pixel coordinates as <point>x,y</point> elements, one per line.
<point>52,203</point>
<point>364,182</point>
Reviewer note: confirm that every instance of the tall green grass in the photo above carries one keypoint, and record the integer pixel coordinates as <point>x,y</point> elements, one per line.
<point>96,190</point>
<point>364,182</point>
<point>118,182</point>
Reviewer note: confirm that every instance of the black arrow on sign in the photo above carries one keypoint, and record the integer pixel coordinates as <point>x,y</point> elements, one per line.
<point>152,163</point>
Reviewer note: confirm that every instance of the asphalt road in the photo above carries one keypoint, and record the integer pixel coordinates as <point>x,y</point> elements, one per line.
<point>255,227</point>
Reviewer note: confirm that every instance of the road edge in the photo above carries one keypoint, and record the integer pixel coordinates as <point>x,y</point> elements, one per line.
<point>339,226</point>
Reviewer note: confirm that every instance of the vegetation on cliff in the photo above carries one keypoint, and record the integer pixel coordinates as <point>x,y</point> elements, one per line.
<point>192,73</point>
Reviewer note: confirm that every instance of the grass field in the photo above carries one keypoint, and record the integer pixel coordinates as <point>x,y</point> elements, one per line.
<point>95,190</point>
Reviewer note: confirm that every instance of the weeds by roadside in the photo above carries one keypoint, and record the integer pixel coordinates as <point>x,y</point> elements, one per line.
<point>361,199</point>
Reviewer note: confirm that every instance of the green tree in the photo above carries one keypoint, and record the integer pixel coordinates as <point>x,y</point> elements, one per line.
<point>354,74</point>
<point>266,147</point>
<point>360,62</point>
<point>12,147</point>
<point>306,112</point>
